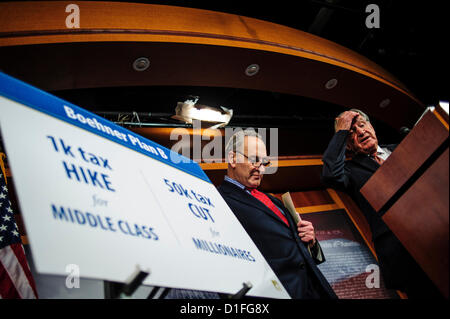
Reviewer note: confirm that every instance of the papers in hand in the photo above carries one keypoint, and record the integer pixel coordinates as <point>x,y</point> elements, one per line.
<point>287,201</point>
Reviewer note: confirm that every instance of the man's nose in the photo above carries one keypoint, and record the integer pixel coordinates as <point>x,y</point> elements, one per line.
<point>360,131</point>
<point>261,169</point>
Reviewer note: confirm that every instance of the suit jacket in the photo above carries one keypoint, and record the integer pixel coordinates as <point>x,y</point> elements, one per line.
<point>350,176</point>
<point>280,245</point>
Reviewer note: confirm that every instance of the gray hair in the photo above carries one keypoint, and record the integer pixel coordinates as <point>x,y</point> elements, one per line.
<point>236,141</point>
<point>364,115</point>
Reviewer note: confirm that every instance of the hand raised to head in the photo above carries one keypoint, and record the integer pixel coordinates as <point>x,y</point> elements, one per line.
<point>344,121</point>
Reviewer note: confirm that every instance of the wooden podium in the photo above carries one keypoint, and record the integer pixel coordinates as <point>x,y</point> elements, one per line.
<point>411,190</point>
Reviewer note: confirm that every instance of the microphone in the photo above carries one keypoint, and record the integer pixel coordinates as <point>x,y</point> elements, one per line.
<point>404,130</point>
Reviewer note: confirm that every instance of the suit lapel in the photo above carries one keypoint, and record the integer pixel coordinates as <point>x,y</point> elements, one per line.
<point>285,211</point>
<point>240,195</point>
<point>302,245</point>
<point>245,198</point>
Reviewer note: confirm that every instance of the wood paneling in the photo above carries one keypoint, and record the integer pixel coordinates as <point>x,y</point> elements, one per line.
<point>309,198</point>
<point>442,116</point>
<point>316,208</point>
<point>345,202</point>
<point>304,146</point>
<point>288,178</point>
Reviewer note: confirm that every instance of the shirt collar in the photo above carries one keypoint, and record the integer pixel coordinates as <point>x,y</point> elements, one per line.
<point>235,182</point>
<point>380,151</point>
<point>383,153</point>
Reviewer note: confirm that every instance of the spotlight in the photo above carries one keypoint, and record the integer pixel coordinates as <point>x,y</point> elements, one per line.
<point>189,110</point>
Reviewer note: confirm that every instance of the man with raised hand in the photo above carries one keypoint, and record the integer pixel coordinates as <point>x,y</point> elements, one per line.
<point>355,137</point>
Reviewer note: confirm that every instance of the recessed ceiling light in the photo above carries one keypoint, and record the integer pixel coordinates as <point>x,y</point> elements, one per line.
<point>331,84</point>
<point>141,64</point>
<point>252,69</point>
<point>385,103</point>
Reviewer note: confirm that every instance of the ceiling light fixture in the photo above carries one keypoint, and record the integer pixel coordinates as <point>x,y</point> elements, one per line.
<point>331,84</point>
<point>214,117</point>
<point>252,69</point>
<point>385,103</point>
<point>141,64</point>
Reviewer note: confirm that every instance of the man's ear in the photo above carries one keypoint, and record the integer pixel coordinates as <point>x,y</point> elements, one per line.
<point>349,147</point>
<point>231,156</point>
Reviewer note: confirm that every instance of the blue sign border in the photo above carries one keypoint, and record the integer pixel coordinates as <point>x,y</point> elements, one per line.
<point>44,102</point>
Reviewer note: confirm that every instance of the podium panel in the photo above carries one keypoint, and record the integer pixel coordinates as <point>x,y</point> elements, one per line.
<point>420,221</point>
<point>426,137</point>
<point>410,190</point>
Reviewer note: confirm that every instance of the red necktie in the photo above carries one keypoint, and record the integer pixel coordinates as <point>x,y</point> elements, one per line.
<point>378,159</point>
<point>266,201</point>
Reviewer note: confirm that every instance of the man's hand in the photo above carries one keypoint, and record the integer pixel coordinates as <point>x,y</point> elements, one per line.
<point>344,122</point>
<point>306,232</point>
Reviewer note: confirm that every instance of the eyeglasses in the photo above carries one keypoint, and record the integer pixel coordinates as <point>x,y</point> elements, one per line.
<point>254,160</point>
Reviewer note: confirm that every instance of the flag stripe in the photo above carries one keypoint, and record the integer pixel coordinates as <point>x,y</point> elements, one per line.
<point>20,254</point>
<point>16,274</point>
<point>16,280</point>
<point>7,288</point>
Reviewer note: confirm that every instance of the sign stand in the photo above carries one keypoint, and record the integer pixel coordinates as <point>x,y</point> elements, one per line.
<point>114,290</point>
<point>162,295</point>
<point>117,290</point>
<point>241,293</point>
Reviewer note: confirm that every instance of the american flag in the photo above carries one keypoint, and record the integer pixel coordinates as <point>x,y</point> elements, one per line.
<point>16,280</point>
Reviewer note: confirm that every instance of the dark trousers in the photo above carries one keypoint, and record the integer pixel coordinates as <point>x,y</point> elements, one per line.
<point>400,271</point>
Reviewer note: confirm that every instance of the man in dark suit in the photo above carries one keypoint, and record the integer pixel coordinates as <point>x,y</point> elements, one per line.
<point>288,248</point>
<point>355,136</point>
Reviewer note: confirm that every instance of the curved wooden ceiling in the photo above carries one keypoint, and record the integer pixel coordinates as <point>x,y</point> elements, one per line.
<point>189,47</point>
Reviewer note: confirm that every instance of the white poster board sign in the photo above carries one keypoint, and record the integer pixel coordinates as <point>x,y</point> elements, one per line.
<point>98,196</point>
